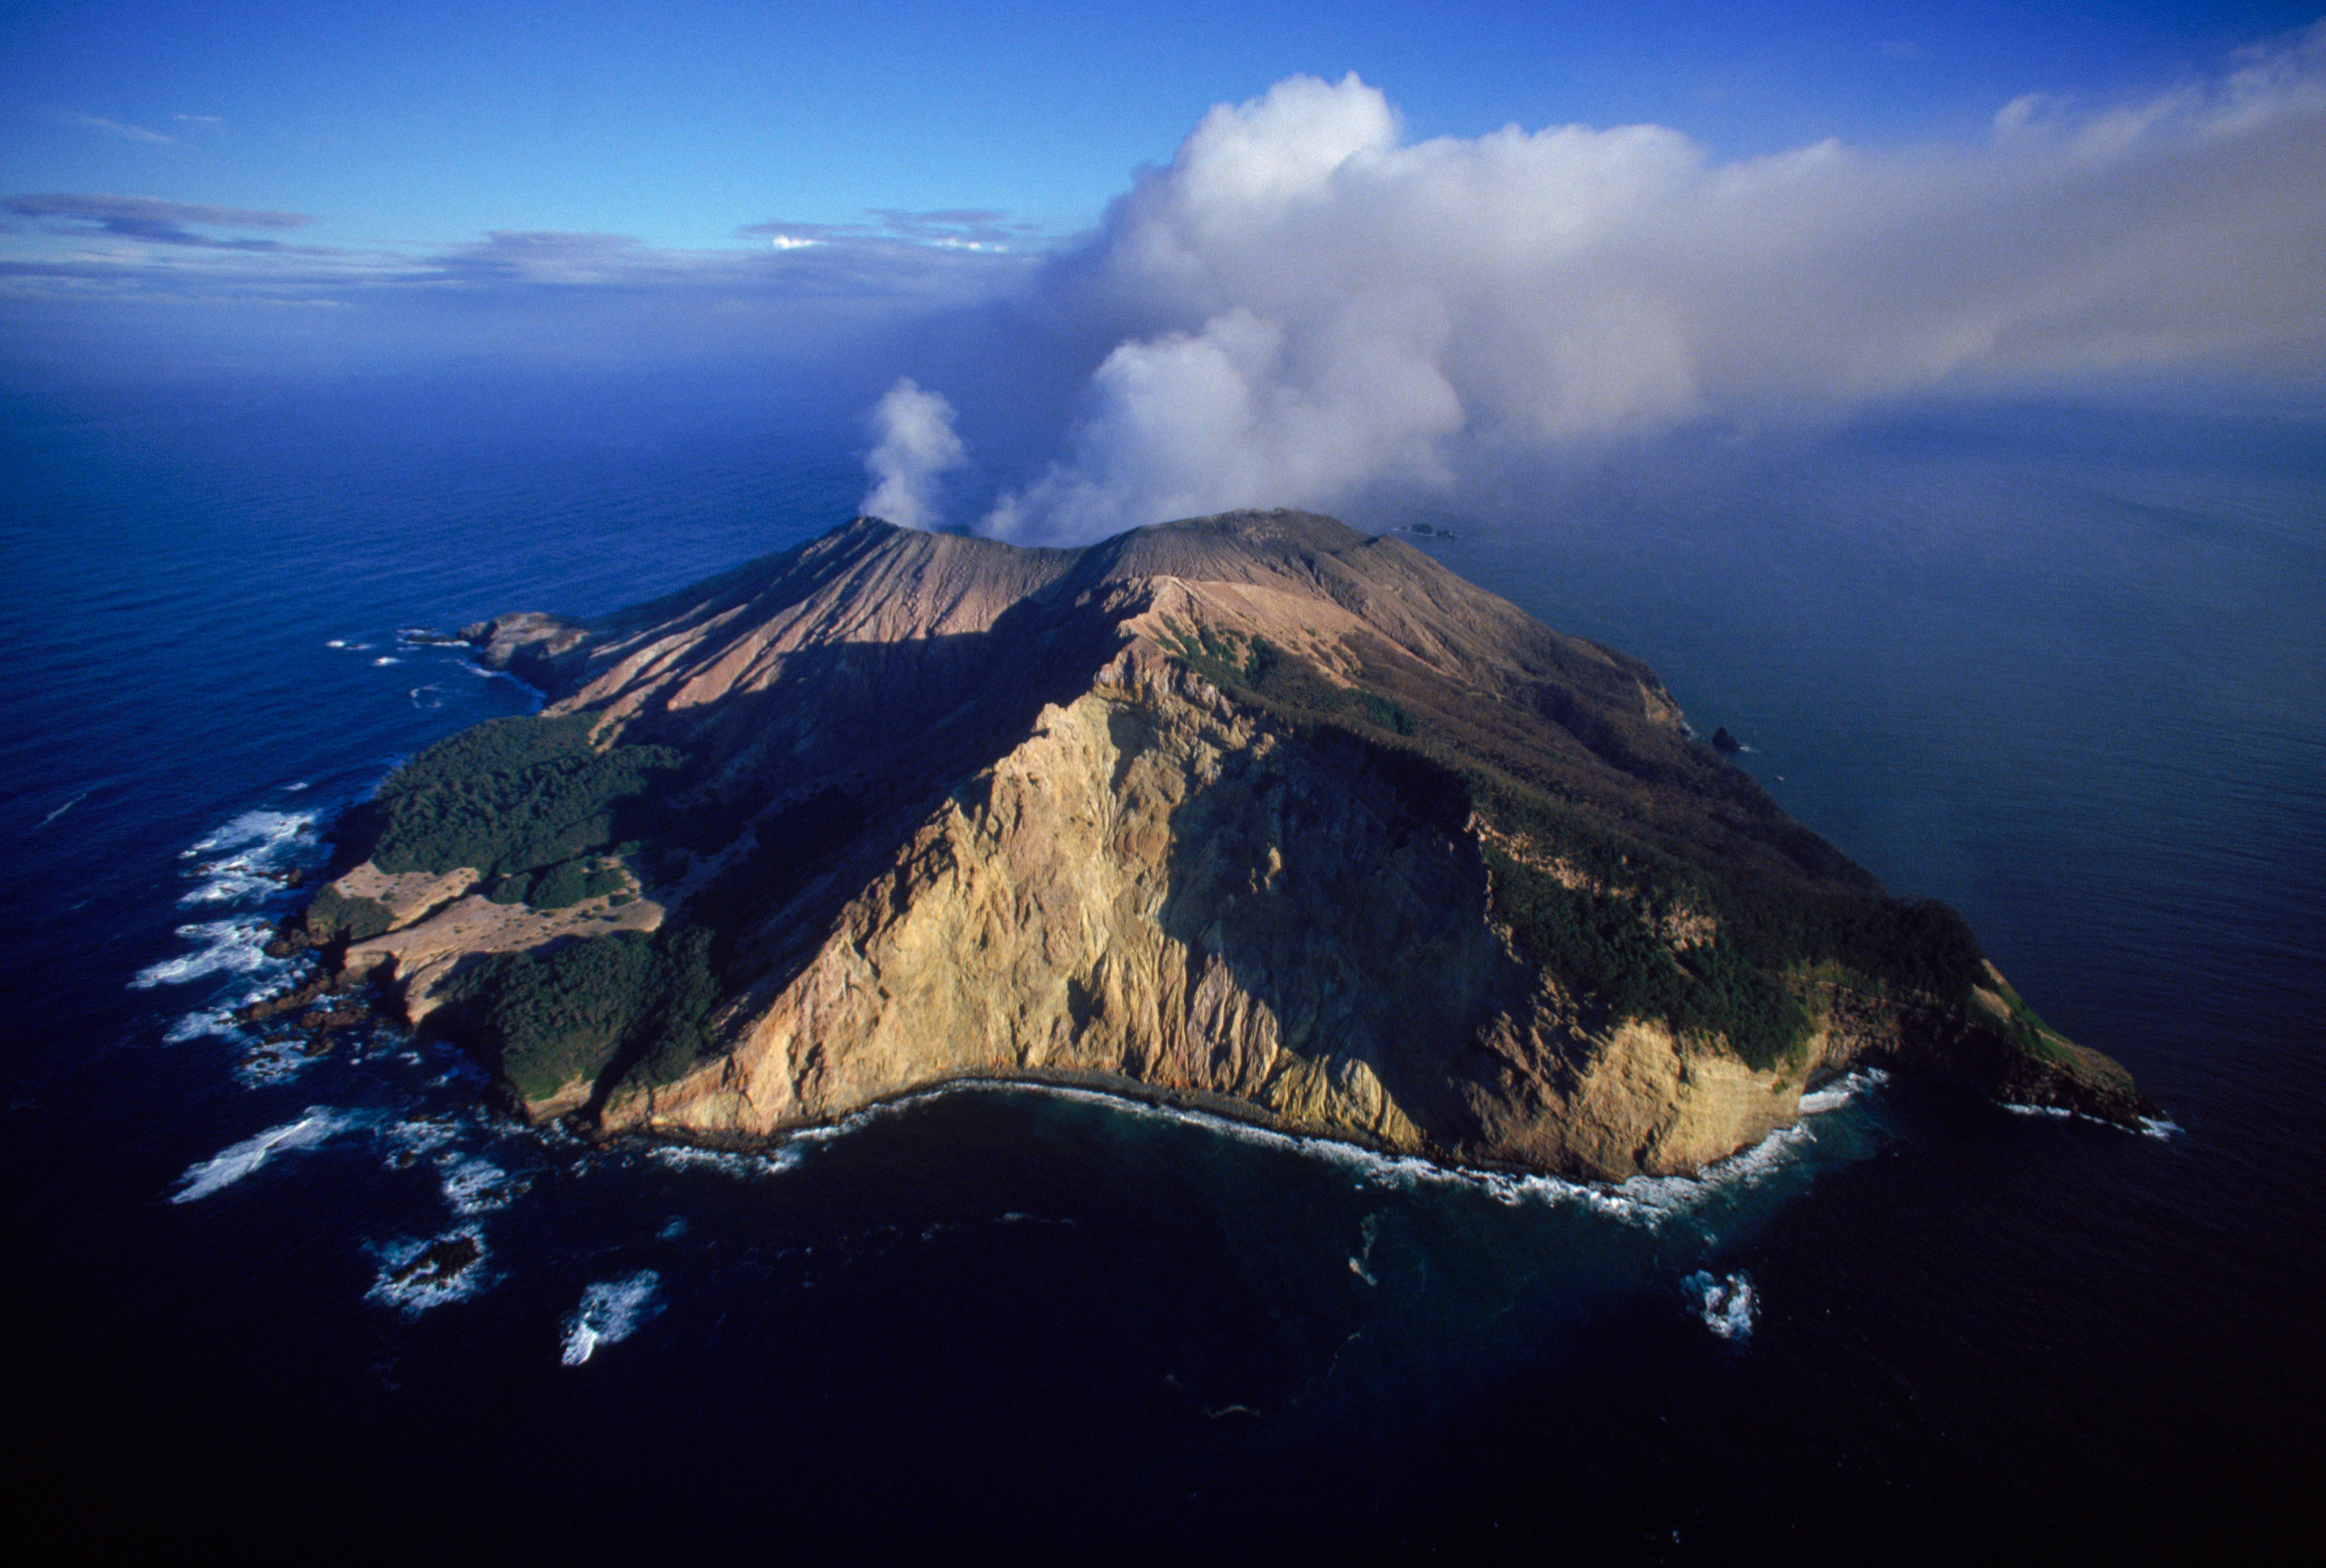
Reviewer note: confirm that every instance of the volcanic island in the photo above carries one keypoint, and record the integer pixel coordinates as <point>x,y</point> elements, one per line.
<point>1252,814</point>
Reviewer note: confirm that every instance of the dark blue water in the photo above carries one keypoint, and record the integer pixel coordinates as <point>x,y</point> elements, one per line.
<point>2065,672</point>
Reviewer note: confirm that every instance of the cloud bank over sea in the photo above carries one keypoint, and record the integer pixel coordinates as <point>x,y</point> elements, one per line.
<point>1324,308</point>
<point>1307,306</point>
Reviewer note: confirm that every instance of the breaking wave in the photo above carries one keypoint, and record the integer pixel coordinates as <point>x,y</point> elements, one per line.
<point>1725,1304</point>
<point>417,1136</point>
<point>62,809</point>
<point>259,831</point>
<point>250,856</point>
<point>1842,1090</point>
<point>610,1311</point>
<point>229,1167</point>
<point>473,1185</point>
<point>730,1162</point>
<point>416,1274</point>
<point>253,858</point>
<point>267,1060</point>
<point>2156,1126</point>
<point>1647,1202</point>
<point>224,947</point>
<point>235,950</point>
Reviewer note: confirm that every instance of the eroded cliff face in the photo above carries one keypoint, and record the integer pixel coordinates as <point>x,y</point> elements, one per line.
<point>1194,813</point>
<point>1150,887</point>
<point>1157,892</point>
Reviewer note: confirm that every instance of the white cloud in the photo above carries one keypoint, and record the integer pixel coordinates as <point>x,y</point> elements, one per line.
<point>916,445</point>
<point>1322,307</point>
<point>122,131</point>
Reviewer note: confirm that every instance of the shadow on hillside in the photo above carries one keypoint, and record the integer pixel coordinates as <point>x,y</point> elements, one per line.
<point>1335,882</point>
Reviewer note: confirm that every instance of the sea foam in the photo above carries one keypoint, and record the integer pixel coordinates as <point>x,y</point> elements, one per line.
<point>730,1162</point>
<point>62,809</point>
<point>417,1136</point>
<point>474,1185</point>
<point>1842,1090</point>
<point>418,1273</point>
<point>223,947</point>
<point>253,831</point>
<point>1646,1202</point>
<point>1725,1304</point>
<point>610,1311</point>
<point>249,857</point>
<point>229,1167</point>
<point>2163,1128</point>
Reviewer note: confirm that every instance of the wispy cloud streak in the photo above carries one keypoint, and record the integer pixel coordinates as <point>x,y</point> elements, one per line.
<point>951,228</point>
<point>121,131</point>
<point>155,222</point>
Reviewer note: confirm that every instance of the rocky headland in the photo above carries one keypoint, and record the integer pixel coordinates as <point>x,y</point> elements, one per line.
<point>1253,811</point>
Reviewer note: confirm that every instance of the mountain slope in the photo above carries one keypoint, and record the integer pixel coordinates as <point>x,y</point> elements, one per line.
<point>1253,811</point>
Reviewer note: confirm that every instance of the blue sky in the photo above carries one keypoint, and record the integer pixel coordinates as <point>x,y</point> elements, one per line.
<point>1174,258</point>
<point>680,125</point>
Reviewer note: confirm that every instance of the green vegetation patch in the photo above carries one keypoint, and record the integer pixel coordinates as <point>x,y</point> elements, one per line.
<point>570,882</point>
<point>1768,926</point>
<point>2028,1032</point>
<point>512,795</point>
<point>333,916</point>
<point>1771,920</point>
<point>1602,946</point>
<point>1258,667</point>
<point>588,1010</point>
<point>627,1006</point>
<point>545,818</point>
<point>562,885</point>
<point>1912,945</point>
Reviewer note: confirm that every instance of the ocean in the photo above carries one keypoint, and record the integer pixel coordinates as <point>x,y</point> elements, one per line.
<point>2065,669</point>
